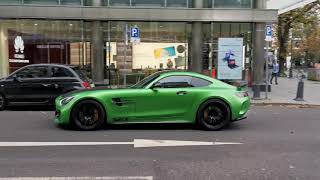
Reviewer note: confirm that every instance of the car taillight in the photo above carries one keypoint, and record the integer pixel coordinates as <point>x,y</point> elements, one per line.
<point>242,94</point>
<point>86,85</point>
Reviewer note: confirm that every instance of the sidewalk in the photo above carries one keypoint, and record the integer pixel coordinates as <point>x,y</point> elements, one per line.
<point>286,90</point>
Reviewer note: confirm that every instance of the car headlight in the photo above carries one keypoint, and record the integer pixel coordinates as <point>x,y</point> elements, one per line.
<point>66,100</point>
<point>242,94</point>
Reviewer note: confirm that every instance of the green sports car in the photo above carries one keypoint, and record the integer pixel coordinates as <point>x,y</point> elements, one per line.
<point>163,97</point>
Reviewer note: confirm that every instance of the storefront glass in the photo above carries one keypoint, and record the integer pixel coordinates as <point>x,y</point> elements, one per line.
<point>163,45</point>
<point>40,41</point>
<point>232,31</point>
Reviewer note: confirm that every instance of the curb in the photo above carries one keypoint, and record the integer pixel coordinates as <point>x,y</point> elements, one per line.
<point>285,104</point>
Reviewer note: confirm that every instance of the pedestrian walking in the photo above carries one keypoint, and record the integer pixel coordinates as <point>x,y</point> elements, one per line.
<point>275,71</point>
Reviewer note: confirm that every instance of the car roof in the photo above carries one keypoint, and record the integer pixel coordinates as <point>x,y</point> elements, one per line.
<point>185,73</point>
<point>48,64</point>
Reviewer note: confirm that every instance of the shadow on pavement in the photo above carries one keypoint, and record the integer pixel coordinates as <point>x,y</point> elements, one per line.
<point>164,126</point>
<point>30,108</point>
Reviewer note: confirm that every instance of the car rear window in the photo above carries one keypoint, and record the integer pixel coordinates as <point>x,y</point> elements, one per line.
<point>80,74</point>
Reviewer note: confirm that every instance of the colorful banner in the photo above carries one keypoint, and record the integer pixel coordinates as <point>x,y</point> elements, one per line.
<point>159,55</point>
<point>230,58</point>
<point>164,52</point>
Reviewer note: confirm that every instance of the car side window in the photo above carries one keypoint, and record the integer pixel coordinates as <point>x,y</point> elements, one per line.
<point>198,82</point>
<point>33,72</point>
<point>61,72</point>
<point>175,82</point>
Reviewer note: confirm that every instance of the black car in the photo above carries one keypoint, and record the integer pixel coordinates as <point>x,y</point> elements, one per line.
<point>40,84</point>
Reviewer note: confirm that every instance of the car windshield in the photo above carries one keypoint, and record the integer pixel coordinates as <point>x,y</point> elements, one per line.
<point>144,82</point>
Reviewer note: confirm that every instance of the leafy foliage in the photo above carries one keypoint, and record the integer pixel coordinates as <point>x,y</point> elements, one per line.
<point>302,21</point>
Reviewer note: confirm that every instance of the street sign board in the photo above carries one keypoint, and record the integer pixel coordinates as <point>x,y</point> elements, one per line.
<point>134,34</point>
<point>268,33</point>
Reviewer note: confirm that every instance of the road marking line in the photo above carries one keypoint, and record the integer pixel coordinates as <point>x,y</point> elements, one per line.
<point>137,143</point>
<point>81,178</point>
<point>23,144</point>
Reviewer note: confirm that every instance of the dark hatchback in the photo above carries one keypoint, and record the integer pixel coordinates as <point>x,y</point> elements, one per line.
<point>40,84</point>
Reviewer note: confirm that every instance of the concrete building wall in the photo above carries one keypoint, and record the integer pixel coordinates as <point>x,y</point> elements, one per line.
<point>4,51</point>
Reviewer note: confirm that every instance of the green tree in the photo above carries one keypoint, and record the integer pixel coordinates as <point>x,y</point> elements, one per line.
<point>307,16</point>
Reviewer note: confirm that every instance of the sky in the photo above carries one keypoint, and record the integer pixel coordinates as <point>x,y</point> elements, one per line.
<point>276,4</point>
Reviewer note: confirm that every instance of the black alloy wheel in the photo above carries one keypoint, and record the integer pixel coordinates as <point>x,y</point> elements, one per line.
<point>88,115</point>
<point>2,102</point>
<point>214,115</point>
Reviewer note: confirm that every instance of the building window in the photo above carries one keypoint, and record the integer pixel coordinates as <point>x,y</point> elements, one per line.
<point>232,3</point>
<point>119,2</point>
<point>10,2</point>
<point>177,3</point>
<point>148,3</point>
<point>42,2</point>
<point>71,2</point>
<point>207,3</point>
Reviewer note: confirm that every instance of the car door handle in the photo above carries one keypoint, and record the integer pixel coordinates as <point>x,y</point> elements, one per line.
<point>182,93</point>
<point>46,85</point>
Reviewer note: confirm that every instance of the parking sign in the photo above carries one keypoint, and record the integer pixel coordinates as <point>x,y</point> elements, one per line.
<point>135,34</point>
<point>268,33</point>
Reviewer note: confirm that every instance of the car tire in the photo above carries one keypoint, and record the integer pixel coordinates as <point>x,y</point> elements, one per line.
<point>88,115</point>
<point>2,102</point>
<point>213,115</point>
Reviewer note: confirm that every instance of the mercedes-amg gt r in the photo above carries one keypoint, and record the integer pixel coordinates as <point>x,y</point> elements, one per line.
<point>163,97</point>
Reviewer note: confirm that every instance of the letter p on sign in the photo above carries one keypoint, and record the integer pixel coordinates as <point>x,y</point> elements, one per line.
<point>135,32</point>
<point>268,33</point>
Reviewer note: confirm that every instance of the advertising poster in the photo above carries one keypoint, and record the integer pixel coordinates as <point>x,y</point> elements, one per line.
<point>165,52</point>
<point>230,58</point>
<point>159,55</point>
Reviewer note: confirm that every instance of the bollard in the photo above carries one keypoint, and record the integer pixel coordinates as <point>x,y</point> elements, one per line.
<point>256,92</point>
<point>290,73</point>
<point>300,89</point>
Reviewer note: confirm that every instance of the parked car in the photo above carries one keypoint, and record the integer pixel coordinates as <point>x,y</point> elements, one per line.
<point>163,97</point>
<point>40,84</point>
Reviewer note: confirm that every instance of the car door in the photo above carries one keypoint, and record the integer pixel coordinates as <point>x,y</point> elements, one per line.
<point>169,100</point>
<point>29,85</point>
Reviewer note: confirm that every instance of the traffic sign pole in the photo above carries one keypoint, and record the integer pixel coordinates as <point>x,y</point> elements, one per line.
<point>267,70</point>
<point>268,39</point>
<point>125,55</point>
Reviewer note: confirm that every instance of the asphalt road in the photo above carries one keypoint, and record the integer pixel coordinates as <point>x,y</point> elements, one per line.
<point>279,143</point>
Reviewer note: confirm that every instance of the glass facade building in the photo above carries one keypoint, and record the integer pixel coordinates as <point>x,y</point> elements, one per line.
<point>139,3</point>
<point>98,45</point>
